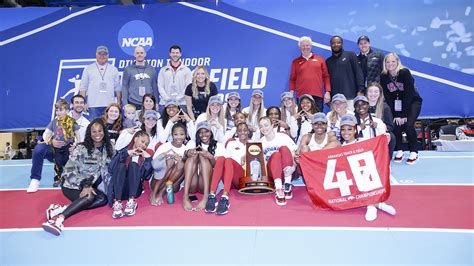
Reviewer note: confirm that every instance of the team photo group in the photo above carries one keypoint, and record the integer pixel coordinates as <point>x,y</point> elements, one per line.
<point>168,130</point>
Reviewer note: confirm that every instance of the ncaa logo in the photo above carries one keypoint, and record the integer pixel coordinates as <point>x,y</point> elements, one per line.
<point>135,33</point>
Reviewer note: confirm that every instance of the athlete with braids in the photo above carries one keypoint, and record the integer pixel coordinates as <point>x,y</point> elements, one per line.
<point>85,176</point>
<point>300,123</point>
<point>131,165</point>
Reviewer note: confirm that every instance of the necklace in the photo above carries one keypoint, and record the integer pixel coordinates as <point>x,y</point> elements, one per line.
<point>394,78</point>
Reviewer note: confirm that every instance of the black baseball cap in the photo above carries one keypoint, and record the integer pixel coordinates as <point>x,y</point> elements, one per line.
<point>363,37</point>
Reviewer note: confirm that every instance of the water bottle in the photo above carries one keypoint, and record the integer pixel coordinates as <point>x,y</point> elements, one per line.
<point>169,192</point>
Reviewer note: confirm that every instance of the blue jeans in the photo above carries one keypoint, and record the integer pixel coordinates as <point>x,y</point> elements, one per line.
<point>96,112</point>
<point>41,152</point>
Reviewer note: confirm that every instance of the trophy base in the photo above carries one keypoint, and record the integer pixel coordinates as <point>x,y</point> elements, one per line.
<point>256,188</point>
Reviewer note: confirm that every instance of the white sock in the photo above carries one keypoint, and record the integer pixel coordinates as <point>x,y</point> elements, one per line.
<point>386,208</point>
<point>288,179</point>
<point>278,184</point>
<point>371,213</point>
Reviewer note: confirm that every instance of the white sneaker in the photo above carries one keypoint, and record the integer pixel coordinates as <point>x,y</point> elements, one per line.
<point>53,210</point>
<point>33,187</point>
<point>53,226</point>
<point>386,208</point>
<point>412,158</point>
<point>371,213</point>
<point>398,156</point>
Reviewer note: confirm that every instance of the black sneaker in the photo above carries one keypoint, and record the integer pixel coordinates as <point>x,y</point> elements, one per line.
<point>57,181</point>
<point>211,203</point>
<point>223,206</point>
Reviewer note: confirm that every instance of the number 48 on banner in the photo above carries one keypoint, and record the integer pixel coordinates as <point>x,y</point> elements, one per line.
<point>364,171</point>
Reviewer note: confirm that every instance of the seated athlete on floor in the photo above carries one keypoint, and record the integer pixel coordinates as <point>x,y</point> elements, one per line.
<point>85,175</point>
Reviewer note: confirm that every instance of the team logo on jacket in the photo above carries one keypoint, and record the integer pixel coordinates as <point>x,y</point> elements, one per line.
<point>135,33</point>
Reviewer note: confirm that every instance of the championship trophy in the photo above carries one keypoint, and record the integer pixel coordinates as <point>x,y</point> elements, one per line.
<point>255,179</point>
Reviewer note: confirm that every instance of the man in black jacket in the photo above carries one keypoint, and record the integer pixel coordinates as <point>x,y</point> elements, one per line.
<point>370,61</point>
<point>344,71</point>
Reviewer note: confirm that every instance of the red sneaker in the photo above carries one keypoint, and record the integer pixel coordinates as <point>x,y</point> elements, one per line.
<point>53,226</point>
<point>280,197</point>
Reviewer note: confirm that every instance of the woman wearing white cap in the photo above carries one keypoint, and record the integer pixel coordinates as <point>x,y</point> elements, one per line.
<point>349,136</point>
<point>278,149</point>
<point>214,115</point>
<point>288,106</point>
<point>198,165</point>
<point>300,123</point>
<point>149,125</point>
<point>256,110</point>
<point>197,93</point>
<point>171,115</point>
<point>367,125</point>
<point>232,107</point>
<point>338,109</point>
<point>318,138</point>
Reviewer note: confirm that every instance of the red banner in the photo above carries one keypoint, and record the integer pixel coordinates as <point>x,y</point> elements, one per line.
<point>350,176</point>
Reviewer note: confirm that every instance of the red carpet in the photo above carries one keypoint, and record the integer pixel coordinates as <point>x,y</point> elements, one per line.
<point>417,206</point>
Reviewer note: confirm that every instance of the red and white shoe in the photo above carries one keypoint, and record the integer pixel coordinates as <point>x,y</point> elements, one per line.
<point>413,158</point>
<point>398,157</point>
<point>130,207</point>
<point>280,197</point>
<point>53,210</point>
<point>53,226</point>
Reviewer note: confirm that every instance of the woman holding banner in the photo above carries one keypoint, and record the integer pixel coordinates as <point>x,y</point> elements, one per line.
<point>278,149</point>
<point>349,133</point>
<point>318,138</point>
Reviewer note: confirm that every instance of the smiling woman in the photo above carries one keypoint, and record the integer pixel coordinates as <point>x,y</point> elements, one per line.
<point>202,157</point>
<point>85,177</point>
<point>405,103</point>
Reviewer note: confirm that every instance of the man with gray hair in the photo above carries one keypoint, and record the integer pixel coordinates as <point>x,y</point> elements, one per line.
<point>308,74</point>
<point>100,83</point>
<point>139,78</point>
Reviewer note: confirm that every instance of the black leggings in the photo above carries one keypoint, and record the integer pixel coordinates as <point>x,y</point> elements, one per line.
<point>409,128</point>
<point>79,203</point>
<point>391,145</point>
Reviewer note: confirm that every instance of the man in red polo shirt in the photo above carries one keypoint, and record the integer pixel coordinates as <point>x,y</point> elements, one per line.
<point>308,73</point>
